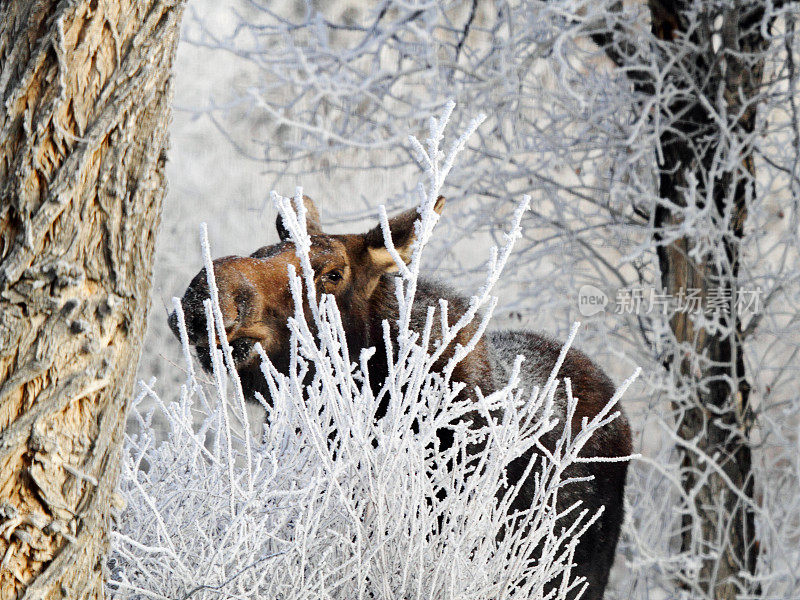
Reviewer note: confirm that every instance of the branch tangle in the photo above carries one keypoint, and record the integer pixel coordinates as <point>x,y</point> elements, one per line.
<point>711,56</point>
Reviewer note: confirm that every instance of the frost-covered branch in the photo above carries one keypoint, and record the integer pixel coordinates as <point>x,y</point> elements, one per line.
<point>330,502</point>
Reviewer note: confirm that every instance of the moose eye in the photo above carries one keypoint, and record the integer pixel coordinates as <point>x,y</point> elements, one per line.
<point>333,276</point>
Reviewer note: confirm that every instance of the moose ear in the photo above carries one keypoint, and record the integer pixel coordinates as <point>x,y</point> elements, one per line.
<point>403,235</point>
<point>312,221</point>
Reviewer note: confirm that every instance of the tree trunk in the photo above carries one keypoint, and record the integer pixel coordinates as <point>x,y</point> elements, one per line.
<point>85,89</point>
<point>711,55</point>
<point>713,121</point>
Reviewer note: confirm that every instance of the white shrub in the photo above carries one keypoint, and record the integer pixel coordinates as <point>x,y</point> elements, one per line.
<point>329,502</point>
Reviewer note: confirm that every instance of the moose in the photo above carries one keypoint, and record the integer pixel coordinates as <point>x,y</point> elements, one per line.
<point>358,270</point>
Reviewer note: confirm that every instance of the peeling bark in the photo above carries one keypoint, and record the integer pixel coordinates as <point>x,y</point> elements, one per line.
<point>85,89</point>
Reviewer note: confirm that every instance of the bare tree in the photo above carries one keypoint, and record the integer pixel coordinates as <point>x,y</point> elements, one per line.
<point>661,145</point>
<point>85,89</point>
<point>712,55</point>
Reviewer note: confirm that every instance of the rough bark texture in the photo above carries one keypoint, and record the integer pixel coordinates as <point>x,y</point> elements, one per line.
<point>708,149</point>
<point>85,89</point>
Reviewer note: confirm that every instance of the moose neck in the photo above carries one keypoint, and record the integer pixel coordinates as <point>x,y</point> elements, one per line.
<point>365,330</point>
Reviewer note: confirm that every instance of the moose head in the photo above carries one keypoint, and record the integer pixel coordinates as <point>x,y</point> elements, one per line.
<point>255,298</point>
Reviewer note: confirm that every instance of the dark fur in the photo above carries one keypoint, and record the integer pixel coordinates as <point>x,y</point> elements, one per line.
<point>487,367</point>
